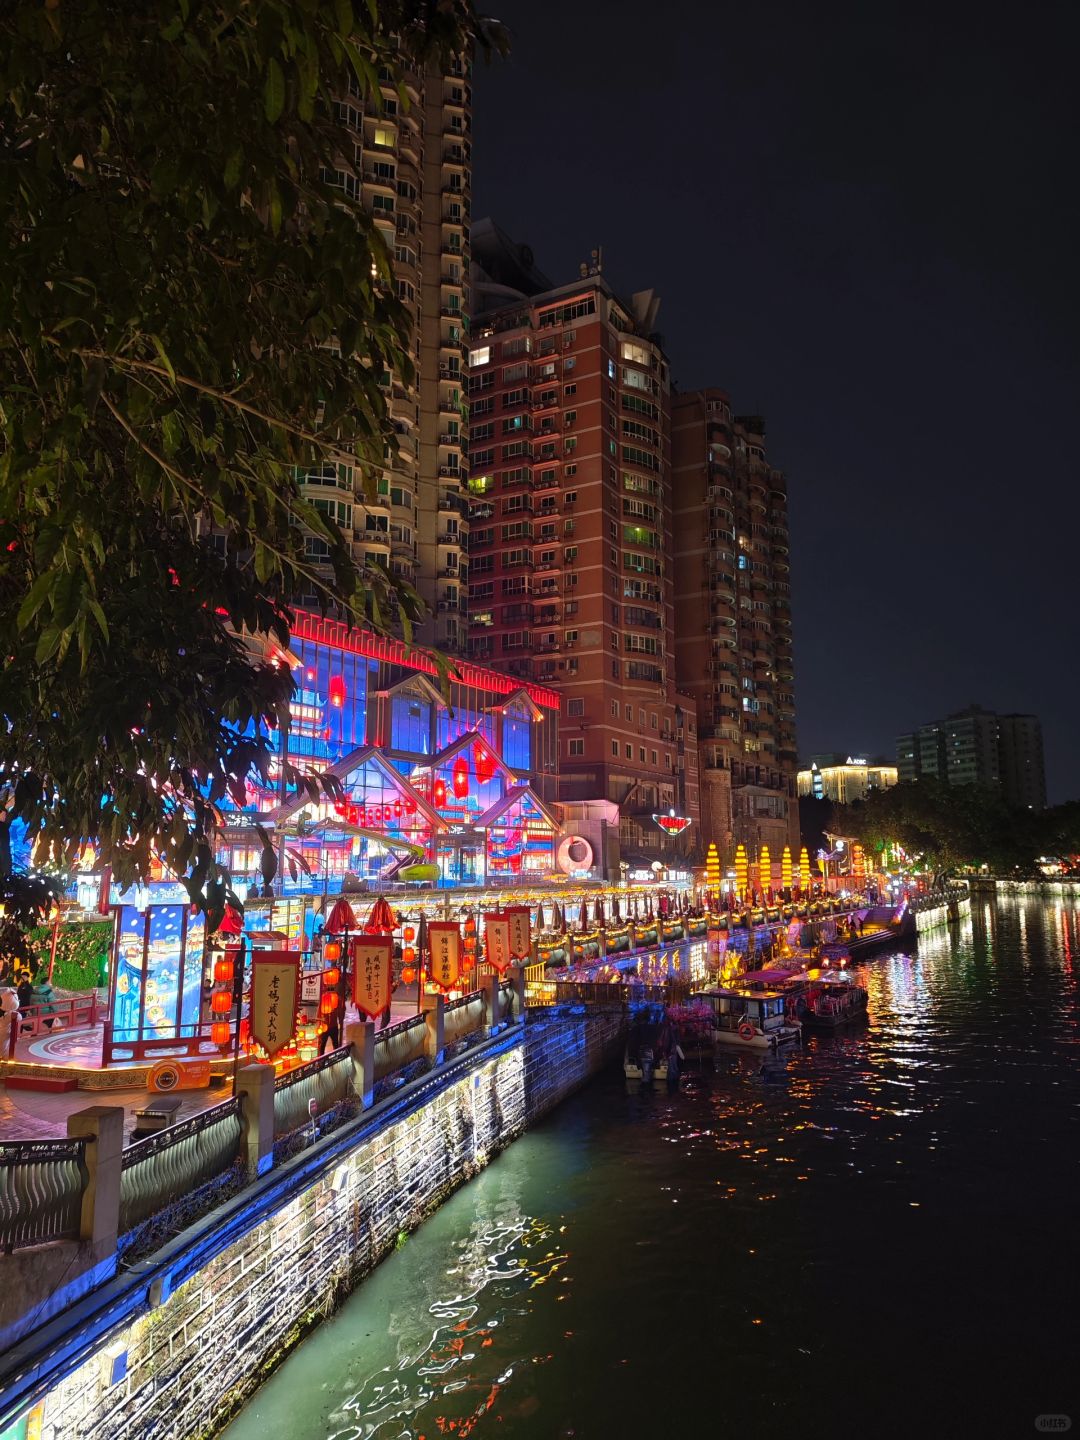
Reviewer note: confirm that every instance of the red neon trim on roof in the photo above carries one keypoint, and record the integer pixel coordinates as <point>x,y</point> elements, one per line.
<point>393,652</point>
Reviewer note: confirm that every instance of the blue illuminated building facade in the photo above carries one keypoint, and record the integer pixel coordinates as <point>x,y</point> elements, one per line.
<point>459,776</point>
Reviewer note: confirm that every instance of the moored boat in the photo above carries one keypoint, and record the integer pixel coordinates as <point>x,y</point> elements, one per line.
<point>747,1018</point>
<point>833,999</point>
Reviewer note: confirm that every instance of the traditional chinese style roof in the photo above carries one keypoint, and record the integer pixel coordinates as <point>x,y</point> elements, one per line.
<point>364,755</point>
<point>493,814</point>
<point>416,685</point>
<point>462,743</point>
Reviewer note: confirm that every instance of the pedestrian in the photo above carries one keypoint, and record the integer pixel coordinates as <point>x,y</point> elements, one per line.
<point>25,992</point>
<point>45,1000</point>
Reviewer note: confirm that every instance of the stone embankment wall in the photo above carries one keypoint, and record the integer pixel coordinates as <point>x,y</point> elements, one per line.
<point>170,1354</point>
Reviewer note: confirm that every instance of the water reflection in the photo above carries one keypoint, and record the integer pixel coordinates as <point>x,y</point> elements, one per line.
<point>860,1207</point>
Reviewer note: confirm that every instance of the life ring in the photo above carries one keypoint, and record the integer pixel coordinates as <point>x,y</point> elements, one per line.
<point>746,1030</point>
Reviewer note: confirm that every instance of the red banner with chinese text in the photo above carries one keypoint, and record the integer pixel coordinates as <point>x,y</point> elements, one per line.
<point>520,931</point>
<point>372,973</point>
<point>275,998</point>
<point>444,940</point>
<point>497,941</point>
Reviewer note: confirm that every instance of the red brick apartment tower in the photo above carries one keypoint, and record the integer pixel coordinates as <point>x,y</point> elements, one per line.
<point>570,573</point>
<point>733,622</point>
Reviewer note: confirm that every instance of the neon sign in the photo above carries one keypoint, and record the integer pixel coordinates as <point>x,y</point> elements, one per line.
<point>673,824</point>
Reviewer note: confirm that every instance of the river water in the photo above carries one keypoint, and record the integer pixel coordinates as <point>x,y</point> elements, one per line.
<point>876,1235</point>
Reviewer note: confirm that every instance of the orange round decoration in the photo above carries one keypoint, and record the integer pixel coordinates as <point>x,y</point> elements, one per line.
<point>331,976</point>
<point>332,951</point>
<point>409,955</point>
<point>221,1032</point>
<point>223,971</point>
<point>329,1002</point>
<point>408,975</point>
<point>221,1002</point>
<point>409,934</point>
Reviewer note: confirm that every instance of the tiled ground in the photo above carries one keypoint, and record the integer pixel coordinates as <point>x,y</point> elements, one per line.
<point>40,1115</point>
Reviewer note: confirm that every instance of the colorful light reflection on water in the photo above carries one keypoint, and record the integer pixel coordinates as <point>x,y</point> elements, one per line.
<point>872,1235</point>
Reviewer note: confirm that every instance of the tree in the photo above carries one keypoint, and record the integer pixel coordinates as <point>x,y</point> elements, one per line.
<point>191,318</point>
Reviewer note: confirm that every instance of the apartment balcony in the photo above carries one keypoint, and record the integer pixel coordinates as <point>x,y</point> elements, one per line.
<point>447,472</point>
<point>452,537</point>
<point>450,606</point>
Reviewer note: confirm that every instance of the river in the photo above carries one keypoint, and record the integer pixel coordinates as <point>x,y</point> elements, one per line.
<point>876,1235</point>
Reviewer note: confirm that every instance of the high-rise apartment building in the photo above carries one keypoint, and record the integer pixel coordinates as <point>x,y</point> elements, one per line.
<point>569,558</point>
<point>733,642</point>
<point>978,747</point>
<point>410,166</point>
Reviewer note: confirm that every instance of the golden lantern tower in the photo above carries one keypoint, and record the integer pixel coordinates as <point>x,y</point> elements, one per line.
<point>785,868</point>
<point>764,869</point>
<point>742,869</point>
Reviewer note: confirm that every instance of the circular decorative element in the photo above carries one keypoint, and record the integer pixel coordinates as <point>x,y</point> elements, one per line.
<point>574,853</point>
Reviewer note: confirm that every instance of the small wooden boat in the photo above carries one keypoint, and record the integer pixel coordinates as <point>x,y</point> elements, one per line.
<point>752,1020</point>
<point>832,1000</point>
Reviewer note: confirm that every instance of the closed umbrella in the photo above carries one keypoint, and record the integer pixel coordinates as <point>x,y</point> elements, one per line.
<point>341,918</point>
<point>583,917</point>
<point>381,920</point>
<point>599,911</point>
<point>616,914</point>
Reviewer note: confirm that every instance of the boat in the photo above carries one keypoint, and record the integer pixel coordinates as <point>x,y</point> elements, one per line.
<point>748,1018</point>
<point>833,999</point>
<point>641,1064</point>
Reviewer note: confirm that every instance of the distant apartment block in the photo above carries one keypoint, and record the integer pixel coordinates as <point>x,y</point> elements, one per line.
<point>978,747</point>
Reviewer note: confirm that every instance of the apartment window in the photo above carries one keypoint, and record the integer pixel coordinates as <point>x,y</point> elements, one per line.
<point>570,470</point>
<point>569,390</point>
<point>576,747</point>
<point>570,554</point>
<point>641,719</point>
<point>614,709</point>
<point>652,721</point>
<point>570,418</point>
<point>667,760</point>
<point>636,354</point>
<point>572,639</point>
<point>614,640</point>
<point>615,748</point>
<point>629,714</point>
<point>653,754</point>
<point>629,751</point>
<point>480,356</point>
<point>641,754</point>
<point>570,498</point>
<point>574,707</point>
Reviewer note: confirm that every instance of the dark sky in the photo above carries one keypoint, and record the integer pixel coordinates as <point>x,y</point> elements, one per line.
<point>862,221</point>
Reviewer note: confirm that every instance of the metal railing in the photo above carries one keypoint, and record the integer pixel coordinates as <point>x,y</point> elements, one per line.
<point>327,1081</point>
<point>41,1190</point>
<point>75,1012</point>
<point>462,1017</point>
<point>157,1170</point>
<point>399,1045</point>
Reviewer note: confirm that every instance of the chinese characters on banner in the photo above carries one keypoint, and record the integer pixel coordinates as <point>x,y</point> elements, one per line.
<point>372,973</point>
<point>275,995</point>
<point>497,940</point>
<point>520,931</point>
<point>444,938</point>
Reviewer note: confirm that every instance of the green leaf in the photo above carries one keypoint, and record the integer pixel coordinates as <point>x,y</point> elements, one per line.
<point>274,91</point>
<point>35,598</point>
<point>99,615</point>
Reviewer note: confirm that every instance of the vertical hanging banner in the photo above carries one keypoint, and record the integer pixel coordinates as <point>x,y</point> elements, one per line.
<point>275,997</point>
<point>520,920</point>
<point>372,973</point>
<point>444,939</point>
<point>497,941</point>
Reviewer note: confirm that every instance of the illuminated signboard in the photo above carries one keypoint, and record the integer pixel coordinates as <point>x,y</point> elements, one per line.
<point>673,824</point>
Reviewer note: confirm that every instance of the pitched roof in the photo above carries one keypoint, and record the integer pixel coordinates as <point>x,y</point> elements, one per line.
<point>493,813</point>
<point>420,683</point>
<point>342,768</point>
<point>523,698</point>
<point>463,742</point>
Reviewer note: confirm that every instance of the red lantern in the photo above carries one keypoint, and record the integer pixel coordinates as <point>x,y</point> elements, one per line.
<point>409,955</point>
<point>485,764</point>
<point>332,950</point>
<point>440,794</point>
<point>410,807</point>
<point>337,691</point>
<point>223,971</point>
<point>398,809</point>
<point>470,925</point>
<point>329,1003</point>
<point>460,778</point>
<point>408,975</point>
<point>221,1002</point>
<point>331,976</point>
<point>221,1032</point>
<point>409,934</point>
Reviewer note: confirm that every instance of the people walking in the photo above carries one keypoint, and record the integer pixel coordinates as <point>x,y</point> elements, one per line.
<point>43,997</point>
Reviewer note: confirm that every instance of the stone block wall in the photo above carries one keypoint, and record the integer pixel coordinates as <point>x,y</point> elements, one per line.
<point>178,1371</point>
<point>194,1359</point>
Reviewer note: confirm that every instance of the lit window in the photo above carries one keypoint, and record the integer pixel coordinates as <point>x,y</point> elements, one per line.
<point>480,356</point>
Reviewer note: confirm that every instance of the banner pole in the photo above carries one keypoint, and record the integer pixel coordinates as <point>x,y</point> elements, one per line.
<point>239,997</point>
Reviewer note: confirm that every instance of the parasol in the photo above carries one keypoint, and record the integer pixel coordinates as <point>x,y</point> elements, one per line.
<point>616,914</point>
<point>583,917</point>
<point>599,911</point>
<point>381,920</point>
<point>341,919</point>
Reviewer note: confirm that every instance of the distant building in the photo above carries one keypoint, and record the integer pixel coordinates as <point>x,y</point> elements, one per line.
<point>733,639</point>
<point>844,778</point>
<point>978,747</point>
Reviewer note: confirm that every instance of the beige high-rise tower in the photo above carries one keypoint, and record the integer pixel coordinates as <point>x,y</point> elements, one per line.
<point>411,168</point>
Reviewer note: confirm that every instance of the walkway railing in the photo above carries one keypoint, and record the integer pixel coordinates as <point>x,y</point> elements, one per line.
<point>41,1191</point>
<point>43,1183</point>
<point>76,1012</point>
<point>177,1160</point>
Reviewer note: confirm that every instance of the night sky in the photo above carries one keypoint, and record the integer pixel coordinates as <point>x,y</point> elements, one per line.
<point>862,222</point>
